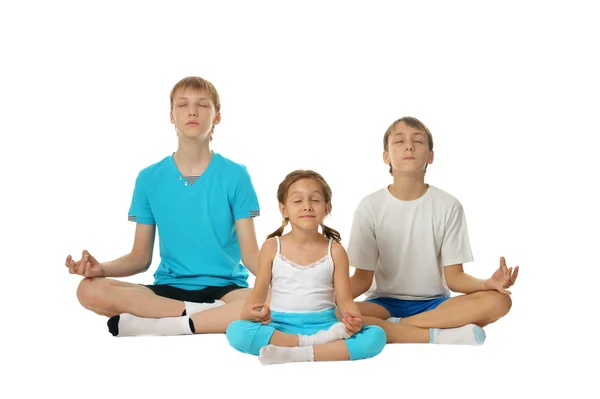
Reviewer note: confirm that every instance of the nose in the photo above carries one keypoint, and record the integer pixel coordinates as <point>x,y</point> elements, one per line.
<point>307,205</point>
<point>193,111</point>
<point>409,145</point>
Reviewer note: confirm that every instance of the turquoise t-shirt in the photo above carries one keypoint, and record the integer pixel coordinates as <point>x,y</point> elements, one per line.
<point>196,222</point>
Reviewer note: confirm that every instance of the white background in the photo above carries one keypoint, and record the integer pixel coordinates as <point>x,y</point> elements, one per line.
<point>509,91</point>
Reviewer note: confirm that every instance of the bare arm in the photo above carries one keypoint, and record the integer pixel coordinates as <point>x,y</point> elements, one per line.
<point>140,257</point>
<point>361,281</point>
<point>503,278</point>
<point>138,260</point>
<point>248,245</point>
<point>263,277</point>
<point>341,280</point>
<point>255,307</point>
<point>459,281</point>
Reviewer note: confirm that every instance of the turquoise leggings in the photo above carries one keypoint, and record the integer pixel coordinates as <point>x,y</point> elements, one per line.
<point>249,337</point>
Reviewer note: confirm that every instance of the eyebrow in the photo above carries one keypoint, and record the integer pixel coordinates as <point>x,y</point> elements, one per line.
<point>402,133</point>
<point>188,98</point>
<point>302,192</point>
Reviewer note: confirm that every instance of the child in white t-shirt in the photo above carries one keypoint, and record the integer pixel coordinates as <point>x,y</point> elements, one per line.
<point>408,244</point>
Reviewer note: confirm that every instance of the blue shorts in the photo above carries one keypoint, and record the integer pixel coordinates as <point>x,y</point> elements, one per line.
<point>249,337</point>
<point>405,307</point>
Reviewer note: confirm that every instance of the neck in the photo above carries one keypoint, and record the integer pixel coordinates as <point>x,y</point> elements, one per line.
<point>304,237</point>
<point>408,186</point>
<point>192,156</point>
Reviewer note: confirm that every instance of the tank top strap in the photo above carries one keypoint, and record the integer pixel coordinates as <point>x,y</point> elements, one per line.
<point>278,245</point>
<point>330,242</point>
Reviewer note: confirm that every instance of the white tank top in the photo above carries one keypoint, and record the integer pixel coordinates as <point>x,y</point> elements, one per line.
<point>302,289</point>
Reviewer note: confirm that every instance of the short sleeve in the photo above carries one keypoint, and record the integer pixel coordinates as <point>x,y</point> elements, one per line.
<point>456,248</point>
<point>362,246</point>
<point>140,211</point>
<point>245,201</point>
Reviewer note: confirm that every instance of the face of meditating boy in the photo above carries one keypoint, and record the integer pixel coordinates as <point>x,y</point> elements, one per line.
<point>193,114</point>
<point>305,205</point>
<point>408,150</point>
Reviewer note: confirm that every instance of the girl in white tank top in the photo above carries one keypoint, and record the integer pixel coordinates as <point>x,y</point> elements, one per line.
<point>303,267</point>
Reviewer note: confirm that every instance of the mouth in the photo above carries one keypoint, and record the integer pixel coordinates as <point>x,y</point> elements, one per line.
<point>408,158</point>
<point>192,124</point>
<point>307,217</point>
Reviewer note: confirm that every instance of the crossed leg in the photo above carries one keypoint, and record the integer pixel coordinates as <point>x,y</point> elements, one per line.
<point>109,297</point>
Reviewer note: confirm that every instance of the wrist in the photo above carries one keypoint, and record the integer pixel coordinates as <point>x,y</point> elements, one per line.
<point>348,306</point>
<point>486,285</point>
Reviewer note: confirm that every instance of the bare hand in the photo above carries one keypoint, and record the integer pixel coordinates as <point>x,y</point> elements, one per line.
<point>259,312</point>
<point>353,322</point>
<point>502,278</point>
<point>87,266</point>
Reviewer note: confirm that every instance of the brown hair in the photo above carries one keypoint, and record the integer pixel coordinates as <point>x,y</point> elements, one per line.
<point>412,122</point>
<point>198,83</point>
<point>282,192</point>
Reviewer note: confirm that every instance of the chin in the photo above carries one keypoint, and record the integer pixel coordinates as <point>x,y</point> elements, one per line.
<point>309,224</point>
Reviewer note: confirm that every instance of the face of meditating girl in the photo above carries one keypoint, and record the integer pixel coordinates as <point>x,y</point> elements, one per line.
<point>305,205</point>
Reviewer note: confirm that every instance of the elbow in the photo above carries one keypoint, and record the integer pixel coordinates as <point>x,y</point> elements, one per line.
<point>357,290</point>
<point>451,282</point>
<point>360,290</point>
<point>250,263</point>
<point>146,267</point>
<point>361,281</point>
<point>360,287</point>
<point>366,286</point>
<point>142,261</point>
<point>249,266</point>
<point>146,262</point>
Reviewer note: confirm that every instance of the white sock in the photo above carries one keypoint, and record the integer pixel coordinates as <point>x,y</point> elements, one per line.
<point>272,354</point>
<point>128,325</point>
<point>196,307</point>
<point>335,333</point>
<point>394,320</point>
<point>470,334</point>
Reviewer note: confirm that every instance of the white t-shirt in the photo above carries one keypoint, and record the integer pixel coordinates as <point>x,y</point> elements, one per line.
<point>408,243</point>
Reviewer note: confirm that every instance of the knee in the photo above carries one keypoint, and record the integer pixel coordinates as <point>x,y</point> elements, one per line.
<point>499,304</point>
<point>368,343</point>
<point>377,339</point>
<point>239,335</point>
<point>90,293</point>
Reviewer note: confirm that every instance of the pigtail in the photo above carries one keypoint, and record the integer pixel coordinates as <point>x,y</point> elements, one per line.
<point>331,233</point>
<point>279,231</point>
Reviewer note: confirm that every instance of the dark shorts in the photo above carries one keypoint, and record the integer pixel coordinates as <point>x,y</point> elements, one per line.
<point>208,294</point>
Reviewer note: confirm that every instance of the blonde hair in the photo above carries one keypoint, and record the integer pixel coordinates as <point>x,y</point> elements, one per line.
<point>198,83</point>
<point>282,192</point>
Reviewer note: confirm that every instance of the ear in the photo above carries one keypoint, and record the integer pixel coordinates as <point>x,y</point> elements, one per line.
<point>327,208</point>
<point>430,160</point>
<point>283,211</point>
<point>217,118</point>
<point>386,157</point>
<point>172,117</point>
